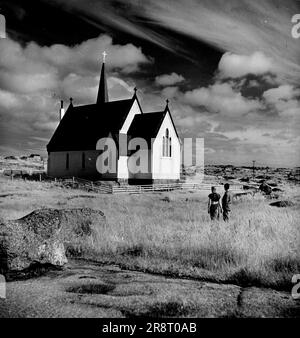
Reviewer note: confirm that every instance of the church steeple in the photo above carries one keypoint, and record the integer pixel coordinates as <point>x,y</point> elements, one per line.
<point>102,96</point>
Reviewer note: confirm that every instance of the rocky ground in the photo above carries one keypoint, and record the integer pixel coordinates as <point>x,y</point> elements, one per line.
<point>87,289</point>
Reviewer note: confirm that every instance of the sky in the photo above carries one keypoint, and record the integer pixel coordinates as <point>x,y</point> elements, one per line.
<point>231,70</point>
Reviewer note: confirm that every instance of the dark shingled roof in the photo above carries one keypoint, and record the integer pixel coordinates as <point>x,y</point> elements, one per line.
<point>146,125</point>
<point>82,126</point>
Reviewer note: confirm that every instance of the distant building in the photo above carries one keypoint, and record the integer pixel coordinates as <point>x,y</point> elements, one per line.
<point>72,148</point>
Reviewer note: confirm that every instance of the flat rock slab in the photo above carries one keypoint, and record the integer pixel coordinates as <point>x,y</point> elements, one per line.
<point>92,290</point>
<point>282,204</point>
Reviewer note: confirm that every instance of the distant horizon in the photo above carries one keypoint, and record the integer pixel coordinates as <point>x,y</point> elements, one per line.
<point>205,164</point>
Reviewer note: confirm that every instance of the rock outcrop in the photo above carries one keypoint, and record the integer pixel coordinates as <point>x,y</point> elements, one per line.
<point>43,235</point>
<point>282,204</point>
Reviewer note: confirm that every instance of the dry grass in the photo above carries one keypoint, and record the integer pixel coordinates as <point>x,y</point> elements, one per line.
<point>259,246</point>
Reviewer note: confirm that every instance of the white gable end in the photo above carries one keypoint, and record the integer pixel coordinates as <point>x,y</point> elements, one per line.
<point>166,167</point>
<point>135,109</point>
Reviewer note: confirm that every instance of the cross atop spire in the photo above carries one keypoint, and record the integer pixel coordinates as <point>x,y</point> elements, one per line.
<point>104,54</point>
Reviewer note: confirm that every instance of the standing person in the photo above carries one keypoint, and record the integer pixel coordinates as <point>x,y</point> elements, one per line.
<point>214,205</point>
<point>226,202</point>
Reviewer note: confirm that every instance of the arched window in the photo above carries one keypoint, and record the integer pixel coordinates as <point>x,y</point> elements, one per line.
<point>106,163</point>
<point>167,146</point>
<point>83,160</point>
<point>67,161</point>
<point>167,143</point>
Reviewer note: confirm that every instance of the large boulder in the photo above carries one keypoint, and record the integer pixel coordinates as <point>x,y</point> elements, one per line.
<point>42,236</point>
<point>265,188</point>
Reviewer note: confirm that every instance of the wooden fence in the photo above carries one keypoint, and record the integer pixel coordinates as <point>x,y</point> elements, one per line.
<point>137,189</point>
<point>104,188</point>
<point>101,187</point>
<point>82,183</point>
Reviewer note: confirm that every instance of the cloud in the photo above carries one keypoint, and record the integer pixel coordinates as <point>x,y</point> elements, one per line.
<point>85,57</point>
<point>8,100</point>
<point>234,65</point>
<point>222,99</point>
<point>284,92</point>
<point>27,83</point>
<point>169,92</point>
<point>119,89</point>
<point>284,99</point>
<point>168,79</point>
<point>82,88</point>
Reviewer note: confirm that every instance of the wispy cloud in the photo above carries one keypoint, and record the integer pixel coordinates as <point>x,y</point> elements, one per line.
<point>105,13</point>
<point>238,26</point>
<point>243,27</point>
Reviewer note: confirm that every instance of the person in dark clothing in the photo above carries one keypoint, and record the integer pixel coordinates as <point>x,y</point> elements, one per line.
<point>214,206</point>
<point>226,202</point>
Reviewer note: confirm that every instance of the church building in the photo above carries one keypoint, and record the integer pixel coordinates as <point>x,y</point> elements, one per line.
<point>115,141</point>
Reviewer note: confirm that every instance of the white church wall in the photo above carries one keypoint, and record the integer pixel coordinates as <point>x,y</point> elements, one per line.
<point>166,168</point>
<point>135,109</point>
<point>122,167</point>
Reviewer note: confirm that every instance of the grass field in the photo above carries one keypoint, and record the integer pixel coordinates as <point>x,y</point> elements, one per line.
<point>259,246</point>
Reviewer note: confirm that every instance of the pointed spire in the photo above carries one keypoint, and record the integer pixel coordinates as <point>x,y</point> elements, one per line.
<point>71,101</point>
<point>102,96</point>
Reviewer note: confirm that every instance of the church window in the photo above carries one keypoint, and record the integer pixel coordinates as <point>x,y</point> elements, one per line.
<point>67,161</point>
<point>170,147</point>
<point>106,163</point>
<point>83,160</point>
<point>167,144</point>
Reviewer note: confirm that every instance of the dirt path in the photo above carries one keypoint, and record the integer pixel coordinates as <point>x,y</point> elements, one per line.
<point>89,290</point>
